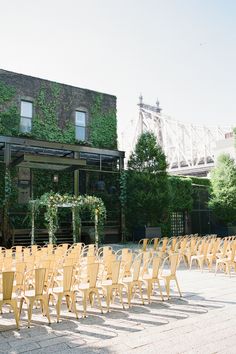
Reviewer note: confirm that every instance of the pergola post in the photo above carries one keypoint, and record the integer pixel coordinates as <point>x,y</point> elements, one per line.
<point>122,212</point>
<point>7,161</point>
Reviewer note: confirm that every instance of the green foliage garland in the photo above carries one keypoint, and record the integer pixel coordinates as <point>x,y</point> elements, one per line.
<point>53,201</point>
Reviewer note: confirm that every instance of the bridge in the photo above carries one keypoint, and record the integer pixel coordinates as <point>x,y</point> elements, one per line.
<point>190,148</point>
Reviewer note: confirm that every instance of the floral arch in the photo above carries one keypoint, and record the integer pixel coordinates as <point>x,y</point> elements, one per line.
<point>52,201</point>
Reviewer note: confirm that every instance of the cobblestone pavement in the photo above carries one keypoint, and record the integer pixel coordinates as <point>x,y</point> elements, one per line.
<point>203,321</point>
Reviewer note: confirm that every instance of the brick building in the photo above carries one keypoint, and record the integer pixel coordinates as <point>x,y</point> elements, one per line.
<point>62,138</point>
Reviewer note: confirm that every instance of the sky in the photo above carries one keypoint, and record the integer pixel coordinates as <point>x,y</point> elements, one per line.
<point>182,52</point>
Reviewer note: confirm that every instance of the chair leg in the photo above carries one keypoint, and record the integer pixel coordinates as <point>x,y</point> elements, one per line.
<point>45,301</point>
<point>16,314</point>
<point>21,304</point>
<point>216,267</point>
<point>191,261</point>
<point>99,300</point>
<point>68,303</point>
<point>141,293</point>
<point>42,308</point>
<point>129,294</point>
<point>85,303</point>
<point>121,297</point>
<point>58,307</point>
<point>30,308</point>
<point>167,284</point>
<point>149,290</point>
<point>159,286</point>
<point>73,301</point>
<point>108,297</point>
<point>178,287</point>
<point>90,298</point>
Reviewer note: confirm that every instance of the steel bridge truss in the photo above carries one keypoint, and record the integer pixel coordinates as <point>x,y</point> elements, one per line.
<point>189,148</point>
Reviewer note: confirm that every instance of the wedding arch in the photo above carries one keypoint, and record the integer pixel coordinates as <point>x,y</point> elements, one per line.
<point>52,201</point>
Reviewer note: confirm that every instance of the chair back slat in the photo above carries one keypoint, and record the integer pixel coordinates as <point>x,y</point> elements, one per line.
<point>92,274</point>
<point>115,271</point>
<point>7,285</point>
<point>67,277</point>
<point>156,263</point>
<point>136,268</point>
<point>174,263</point>
<point>39,280</point>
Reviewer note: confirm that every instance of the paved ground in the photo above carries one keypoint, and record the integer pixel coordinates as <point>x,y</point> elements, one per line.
<point>203,321</point>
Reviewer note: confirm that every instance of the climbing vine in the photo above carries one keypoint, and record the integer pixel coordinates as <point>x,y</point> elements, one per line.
<point>102,127</point>
<point>49,105</point>
<point>45,123</point>
<point>181,191</point>
<point>53,201</point>
<point>9,115</point>
<point>123,188</point>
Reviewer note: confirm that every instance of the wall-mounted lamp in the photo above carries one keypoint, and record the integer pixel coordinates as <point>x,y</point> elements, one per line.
<point>55,178</point>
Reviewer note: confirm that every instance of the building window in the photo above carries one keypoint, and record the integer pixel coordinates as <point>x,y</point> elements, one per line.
<point>80,125</point>
<point>26,116</point>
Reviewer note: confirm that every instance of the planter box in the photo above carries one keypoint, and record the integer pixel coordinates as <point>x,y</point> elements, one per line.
<point>146,232</point>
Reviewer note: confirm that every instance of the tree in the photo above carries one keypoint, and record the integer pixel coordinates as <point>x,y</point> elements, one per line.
<point>223,189</point>
<point>148,156</point>
<point>147,185</point>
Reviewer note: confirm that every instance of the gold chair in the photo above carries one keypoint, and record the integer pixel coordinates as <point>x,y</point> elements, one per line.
<point>228,261</point>
<point>170,274</point>
<point>112,285</point>
<point>7,297</point>
<point>88,286</point>
<point>152,277</point>
<point>134,282</point>
<point>37,294</point>
<point>200,255</point>
<point>66,290</point>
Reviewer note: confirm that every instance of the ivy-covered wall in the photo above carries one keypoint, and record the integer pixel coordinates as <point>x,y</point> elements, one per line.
<point>54,107</point>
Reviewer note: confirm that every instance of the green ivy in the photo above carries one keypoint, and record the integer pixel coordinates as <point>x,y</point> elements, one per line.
<point>201,181</point>
<point>45,123</point>
<point>103,125</point>
<point>181,193</point>
<point>6,93</point>
<point>123,188</point>
<point>45,126</point>
<point>9,116</point>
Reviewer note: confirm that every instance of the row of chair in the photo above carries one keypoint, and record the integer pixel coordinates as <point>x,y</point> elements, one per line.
<point>206,251</point>
<point>83,274</point>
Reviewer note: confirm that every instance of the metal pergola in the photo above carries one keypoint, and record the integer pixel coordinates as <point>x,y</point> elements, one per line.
<point>39,154</point>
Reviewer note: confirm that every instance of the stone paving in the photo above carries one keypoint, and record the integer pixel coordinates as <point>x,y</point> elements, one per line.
<point>203,321</point>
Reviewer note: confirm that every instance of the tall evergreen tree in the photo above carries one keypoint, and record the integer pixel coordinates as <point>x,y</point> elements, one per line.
<point>147,185</point>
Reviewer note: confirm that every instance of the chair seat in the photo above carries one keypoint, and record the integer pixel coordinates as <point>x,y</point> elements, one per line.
<point>56,290</point>
<point>197,256</point>
<point>127,280</point>
<point>106,282</point>
<point>31,293</point>
<point>147,277</point>
<point>84,286</point>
